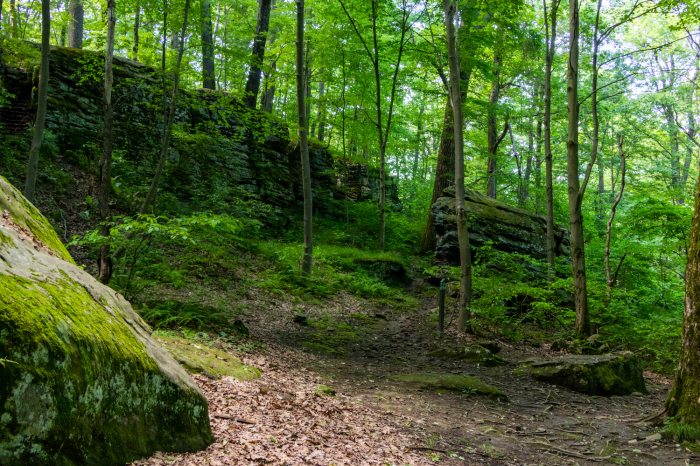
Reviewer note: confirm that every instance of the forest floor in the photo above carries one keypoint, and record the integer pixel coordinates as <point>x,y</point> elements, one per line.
<point>355,346</point>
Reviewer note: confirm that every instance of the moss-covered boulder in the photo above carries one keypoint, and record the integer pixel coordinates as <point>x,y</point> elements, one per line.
<point>86,384</point>
<point>201,359</point>
<point>507,228</point>
<point>472,353</point>
<point>452,382</point>
<point>603,375</point>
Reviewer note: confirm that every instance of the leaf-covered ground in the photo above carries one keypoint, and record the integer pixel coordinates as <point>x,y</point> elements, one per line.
<point>355,347</point>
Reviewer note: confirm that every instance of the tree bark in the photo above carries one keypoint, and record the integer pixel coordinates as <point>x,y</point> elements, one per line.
<point>492,132</point>
<point>549,183</point>
<point>14,20</point>
<point>33,162</point>
<point>419,136</point>
<point>578,255</point>
<point>252,86</point>
<point>304,143</point>
<point>208,71</point>
<point>465,283</point>
<point>105,262</point>
<point>75,24</point>
<point>321,113</point>
<point>137,26</point>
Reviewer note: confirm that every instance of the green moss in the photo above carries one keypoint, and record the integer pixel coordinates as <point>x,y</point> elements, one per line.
<point>460,383</point>
<point>211,362</point>
<point>322,348</point>
<point>324,390</point>
<point>680,432</point>
<point>26,215</point>
<point>82,375</point>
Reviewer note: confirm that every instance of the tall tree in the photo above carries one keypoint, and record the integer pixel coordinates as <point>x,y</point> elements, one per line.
<point>76,12</point>
<point>252,86</point>
<point>137,26</point>
<point>105,262</point>
<point>375,57</point>
<point>33,162</point>
<point>611,278</point>
<point>321,112</point>
<point>304,143</point>
<point>208,72</point>
<point>549,182</point>
<point>465,283</point>
<point>493,138</point>
<point>576,190</point>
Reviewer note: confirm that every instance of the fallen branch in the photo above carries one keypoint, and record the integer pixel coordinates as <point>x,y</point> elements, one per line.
<point>242,421</point>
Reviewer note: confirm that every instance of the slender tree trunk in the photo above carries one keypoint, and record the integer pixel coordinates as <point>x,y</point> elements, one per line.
<point>419,137</point>
<point>33,162</point>
<point>208,71</point>
<point>14,20</point>
<point>105,262</point>
<point>549,183</point>
<point>75,24</point>
<point>252,85</point>
<point>610,278</point>
<point>578,255</point>
<point>491,182</point>
<point>168,127</point>
<point>321,114</point>
<point>345,154</point>
<point>137,26</point>
<point>268,98</point>
<point>304,143</point>
<point>465,284</point>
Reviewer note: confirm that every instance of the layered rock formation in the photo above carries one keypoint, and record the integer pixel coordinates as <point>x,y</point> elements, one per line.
<point>509,228</point>
<point>229,145</point>
<point>81,381</point>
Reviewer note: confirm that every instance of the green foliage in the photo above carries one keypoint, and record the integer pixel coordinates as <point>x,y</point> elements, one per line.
<point>680,432</point>
<point>174,314</point>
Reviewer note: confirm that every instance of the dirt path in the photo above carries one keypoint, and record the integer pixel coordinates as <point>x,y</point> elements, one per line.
<point>354,347</point>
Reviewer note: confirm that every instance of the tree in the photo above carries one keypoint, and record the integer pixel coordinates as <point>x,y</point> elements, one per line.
<point>208,81</point>
<point>611,278</point>
<point>465,283</point>
<point>304,143</point>
<point>137,25</point>
<point>549,183</point>
<point>383,132</point>
<point>76,11</point>
<point>252,86</point>
<point>105,262</point>
<point>33,163</point>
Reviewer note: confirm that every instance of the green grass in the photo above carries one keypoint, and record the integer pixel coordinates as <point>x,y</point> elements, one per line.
<point>680,432</point>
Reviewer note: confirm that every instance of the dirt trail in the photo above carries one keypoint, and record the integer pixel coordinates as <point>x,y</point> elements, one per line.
<point>540,424</point>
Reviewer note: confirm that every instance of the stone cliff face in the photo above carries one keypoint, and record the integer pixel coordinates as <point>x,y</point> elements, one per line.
<point>228,144</point>
<point>510,229</point>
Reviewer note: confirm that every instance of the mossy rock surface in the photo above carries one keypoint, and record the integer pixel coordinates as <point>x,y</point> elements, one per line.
<point>324,390</point>
<point>197,358</point>
<point>472,353</point>
<point>603,375</point>
<point>87,384</point>
<point>452,382</point>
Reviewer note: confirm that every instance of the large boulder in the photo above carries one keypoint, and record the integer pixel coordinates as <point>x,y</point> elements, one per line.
<point>83,382</point>
<point>510,229</point>
<point>608,374</point>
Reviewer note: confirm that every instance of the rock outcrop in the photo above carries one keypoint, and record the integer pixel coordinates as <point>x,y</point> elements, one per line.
<point>82,381</point>
<point>233,146</point>
<point>608,374</point>
<point>510,229</point>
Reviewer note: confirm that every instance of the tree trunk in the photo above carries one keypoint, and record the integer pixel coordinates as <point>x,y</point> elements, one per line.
<point>168,127</point>
<point>33,162</point>
<point>578,255</point>
<point>14,20</point>
<point>252,85</point>
<point>444,176</point>
<point>137,26</point>
<point>549,183</point>
<point>208,72</point>
<point>682,403</point>
<point>268,98</point>
<point>76,12</point>
<point>419,136</point>
<point>610,278</point>
<point>105,262</point>
<point>304,143</point>
<point>320,116</point>
<point>465,284</point>
<point>491,183</point>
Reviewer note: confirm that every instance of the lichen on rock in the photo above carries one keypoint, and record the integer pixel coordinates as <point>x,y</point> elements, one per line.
<point>88,385</point>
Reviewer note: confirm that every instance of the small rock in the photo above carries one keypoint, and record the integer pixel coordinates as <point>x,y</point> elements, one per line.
<point>240,327</point>
<point>489,345</point>
<point>636,394</point>
<point>633,441</point>
<point>652,438</point>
